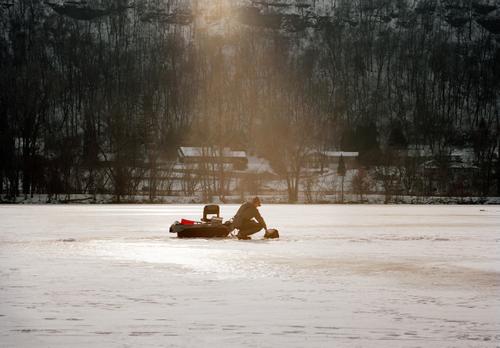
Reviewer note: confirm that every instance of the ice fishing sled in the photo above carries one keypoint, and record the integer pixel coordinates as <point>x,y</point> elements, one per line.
<point>210,226</point>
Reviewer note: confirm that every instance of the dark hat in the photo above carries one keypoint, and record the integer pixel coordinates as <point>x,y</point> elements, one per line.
<point>256,201</point>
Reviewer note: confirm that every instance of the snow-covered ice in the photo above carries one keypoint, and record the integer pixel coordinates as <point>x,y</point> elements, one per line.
<point>370,276</point>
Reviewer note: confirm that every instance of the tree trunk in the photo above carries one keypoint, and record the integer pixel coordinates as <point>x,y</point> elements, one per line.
<point>342,191</point>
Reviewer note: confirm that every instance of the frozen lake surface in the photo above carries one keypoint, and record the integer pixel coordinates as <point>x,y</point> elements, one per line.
<point>369,276</point>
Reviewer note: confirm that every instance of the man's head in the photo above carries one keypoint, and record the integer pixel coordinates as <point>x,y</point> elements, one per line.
<point>256,201</point>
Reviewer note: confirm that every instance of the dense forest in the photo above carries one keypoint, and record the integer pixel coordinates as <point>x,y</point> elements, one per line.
<point>94,93</point>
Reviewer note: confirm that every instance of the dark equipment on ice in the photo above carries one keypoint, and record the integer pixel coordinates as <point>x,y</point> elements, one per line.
<point>212,209</point>
<point>209,227</point>
<point>271,233</point>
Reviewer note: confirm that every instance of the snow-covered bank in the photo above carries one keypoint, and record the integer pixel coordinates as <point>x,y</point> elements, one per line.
<point>365,276</point>
<point>269,199</point>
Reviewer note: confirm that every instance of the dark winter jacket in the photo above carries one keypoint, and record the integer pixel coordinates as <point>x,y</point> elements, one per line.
<point>247,212</point>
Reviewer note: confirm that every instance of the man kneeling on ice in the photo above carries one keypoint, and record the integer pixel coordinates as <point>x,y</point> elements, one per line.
<point>243,220</point>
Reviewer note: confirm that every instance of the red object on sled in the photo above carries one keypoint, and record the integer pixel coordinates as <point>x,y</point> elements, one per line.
<point>187,222</point>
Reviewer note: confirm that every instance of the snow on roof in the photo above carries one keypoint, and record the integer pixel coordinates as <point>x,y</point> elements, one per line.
<point>229,153</point>
<point>189,151</point>
<point>460,165</point>
<point>340,153</point>
<point>465,154</point>
<point>186,167</point>
<point>433,164</point>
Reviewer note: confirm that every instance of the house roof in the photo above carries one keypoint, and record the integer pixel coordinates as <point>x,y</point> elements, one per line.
<point>189,151</point>
<point>340,153</point>
<point>433,164</point>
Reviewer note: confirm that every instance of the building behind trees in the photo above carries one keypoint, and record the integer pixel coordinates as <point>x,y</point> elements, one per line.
<point>96,97</point>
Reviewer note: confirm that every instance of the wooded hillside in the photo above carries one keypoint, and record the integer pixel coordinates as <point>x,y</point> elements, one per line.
<point>114,86</point>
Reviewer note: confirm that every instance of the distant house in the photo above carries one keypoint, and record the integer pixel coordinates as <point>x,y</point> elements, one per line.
<point>232,160</point>
<point>452,173</point>
<point>425,153</point>
<point>328,160</point>
<point>198,167</point>
<point>258,168</point>
<point>417,151</point>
